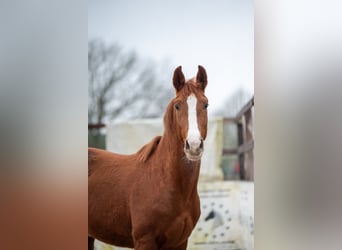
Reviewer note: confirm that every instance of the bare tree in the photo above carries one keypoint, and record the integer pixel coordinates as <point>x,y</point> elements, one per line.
<point>234,103</point>
<point>121,86</point>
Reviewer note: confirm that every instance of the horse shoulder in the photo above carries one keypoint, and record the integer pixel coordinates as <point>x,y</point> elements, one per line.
<point>146,151</point>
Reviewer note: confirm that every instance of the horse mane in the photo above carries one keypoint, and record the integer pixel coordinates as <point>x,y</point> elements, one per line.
<point>146,151</point>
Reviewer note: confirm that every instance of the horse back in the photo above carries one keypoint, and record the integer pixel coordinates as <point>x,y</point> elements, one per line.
<point>99,160</point>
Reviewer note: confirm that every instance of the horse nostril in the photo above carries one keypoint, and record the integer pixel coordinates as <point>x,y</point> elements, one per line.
<point>187,146</point>
<point>201,145</point>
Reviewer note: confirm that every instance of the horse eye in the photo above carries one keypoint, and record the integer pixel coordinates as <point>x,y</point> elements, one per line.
<point>177,106</point>
<point>206,105</point>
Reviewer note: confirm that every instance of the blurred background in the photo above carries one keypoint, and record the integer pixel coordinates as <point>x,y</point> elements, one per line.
<point>44,108</point>
<point>141,42</point>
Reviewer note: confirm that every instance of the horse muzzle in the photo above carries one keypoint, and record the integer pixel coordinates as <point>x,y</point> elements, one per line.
<point>193,149</point>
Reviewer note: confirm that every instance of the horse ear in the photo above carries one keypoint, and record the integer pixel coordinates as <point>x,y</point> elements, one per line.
<point>201,77</point>
<point>178,78</point>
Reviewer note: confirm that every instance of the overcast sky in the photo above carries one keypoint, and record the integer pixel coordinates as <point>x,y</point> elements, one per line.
<point>217,34</point>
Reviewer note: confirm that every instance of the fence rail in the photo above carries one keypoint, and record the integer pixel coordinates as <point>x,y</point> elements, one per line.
<point>244,150</point>
<point>96,126</point>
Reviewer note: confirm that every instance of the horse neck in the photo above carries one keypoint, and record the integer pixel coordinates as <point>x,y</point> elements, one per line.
<point>184,173</point>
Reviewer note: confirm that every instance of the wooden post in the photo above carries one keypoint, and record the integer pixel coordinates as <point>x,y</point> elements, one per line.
<point>249,138</point>
<point>244,122</point>
<point>241,154</point>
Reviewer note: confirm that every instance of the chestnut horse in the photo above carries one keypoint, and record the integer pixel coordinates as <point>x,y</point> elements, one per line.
<point>149,200</point>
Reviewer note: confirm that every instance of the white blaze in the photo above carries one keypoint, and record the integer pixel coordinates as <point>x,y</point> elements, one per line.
<point>194,136</point>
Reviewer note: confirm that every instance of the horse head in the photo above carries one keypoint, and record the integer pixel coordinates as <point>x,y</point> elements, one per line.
<point>190,111</point>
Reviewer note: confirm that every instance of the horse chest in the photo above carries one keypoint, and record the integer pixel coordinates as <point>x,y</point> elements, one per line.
<point>181,225</point>
<point>180,229</point>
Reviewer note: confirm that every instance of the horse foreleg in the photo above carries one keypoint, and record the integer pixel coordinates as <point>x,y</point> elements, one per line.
<point>145,242</point>
<point>183,246</point>
<point>90,243</point>
<point>180,247</point>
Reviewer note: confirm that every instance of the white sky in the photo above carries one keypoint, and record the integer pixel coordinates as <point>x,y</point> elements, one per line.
<point>217,34</point>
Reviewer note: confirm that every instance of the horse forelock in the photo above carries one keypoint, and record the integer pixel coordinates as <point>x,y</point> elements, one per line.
<point>191,87</point>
